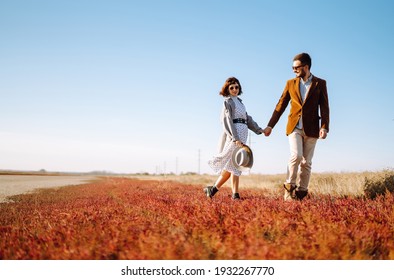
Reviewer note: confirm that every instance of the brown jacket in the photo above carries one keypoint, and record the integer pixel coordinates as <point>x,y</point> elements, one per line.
<point>316,100</point>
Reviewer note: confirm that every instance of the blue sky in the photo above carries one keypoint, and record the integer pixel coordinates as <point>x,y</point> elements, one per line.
<point>132,86</point>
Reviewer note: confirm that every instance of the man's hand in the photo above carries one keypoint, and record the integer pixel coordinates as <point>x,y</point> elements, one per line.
<point>323,133</point>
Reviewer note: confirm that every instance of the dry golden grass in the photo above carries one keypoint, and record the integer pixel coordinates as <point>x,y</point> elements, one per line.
<point>335,184</point>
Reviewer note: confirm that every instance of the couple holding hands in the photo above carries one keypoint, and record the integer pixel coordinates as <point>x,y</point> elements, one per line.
<point>308,121</point>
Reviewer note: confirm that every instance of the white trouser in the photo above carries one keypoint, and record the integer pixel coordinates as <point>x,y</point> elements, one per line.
<point>302,148</point>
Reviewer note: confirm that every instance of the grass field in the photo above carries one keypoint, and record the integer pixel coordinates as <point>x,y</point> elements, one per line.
<point>129,218</point>
<point>335,184</point>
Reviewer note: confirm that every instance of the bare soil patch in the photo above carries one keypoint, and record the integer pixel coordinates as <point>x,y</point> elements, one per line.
<point>18,184</point>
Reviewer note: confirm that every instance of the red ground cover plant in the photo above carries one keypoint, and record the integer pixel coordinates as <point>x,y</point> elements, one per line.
<point>121,218</point>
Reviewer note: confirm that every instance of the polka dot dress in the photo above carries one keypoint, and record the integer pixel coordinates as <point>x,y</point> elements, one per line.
<point>223,160</point>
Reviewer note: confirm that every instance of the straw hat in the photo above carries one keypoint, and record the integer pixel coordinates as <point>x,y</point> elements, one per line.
<point>242,158</point>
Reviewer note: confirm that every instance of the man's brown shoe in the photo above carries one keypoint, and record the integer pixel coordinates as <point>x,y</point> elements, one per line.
<point>289,191</point>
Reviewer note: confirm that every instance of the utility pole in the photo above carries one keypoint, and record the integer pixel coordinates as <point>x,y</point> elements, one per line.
<point>199,160</point>
<point>250,139</point>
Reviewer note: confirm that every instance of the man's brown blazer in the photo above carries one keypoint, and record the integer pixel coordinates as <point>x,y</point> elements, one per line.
<point>316,102</point>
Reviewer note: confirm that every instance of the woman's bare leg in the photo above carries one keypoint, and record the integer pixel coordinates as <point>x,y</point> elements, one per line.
<point>224,176</point>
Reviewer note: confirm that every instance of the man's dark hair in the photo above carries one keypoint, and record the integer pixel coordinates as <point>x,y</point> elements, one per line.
<point>304,58</point>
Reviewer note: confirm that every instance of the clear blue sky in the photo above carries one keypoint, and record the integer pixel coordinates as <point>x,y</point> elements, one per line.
<point>132,86</point>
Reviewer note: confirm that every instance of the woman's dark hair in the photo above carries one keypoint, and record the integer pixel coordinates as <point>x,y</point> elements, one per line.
<point>304,58</point>
<point>230,81</point>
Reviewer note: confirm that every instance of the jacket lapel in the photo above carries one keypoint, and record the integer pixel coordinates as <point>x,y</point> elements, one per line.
<point>312,88</point>
<point>297,89</point>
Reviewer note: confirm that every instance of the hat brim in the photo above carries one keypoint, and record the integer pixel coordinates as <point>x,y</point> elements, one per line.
<point>250,154</point>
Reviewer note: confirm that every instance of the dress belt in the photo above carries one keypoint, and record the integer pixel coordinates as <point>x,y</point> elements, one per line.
<point>239,121</point>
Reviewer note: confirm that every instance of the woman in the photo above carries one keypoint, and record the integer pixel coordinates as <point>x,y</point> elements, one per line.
<point>236,123</point>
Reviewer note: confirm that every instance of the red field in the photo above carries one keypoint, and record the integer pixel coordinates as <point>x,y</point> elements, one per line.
<point>130,219</point>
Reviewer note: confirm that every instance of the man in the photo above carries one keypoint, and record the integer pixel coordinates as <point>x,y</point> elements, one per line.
<point>308,97</point>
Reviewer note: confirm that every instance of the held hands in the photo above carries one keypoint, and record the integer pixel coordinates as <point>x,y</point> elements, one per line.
<point>322,134</point>
<point>267,131</point>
